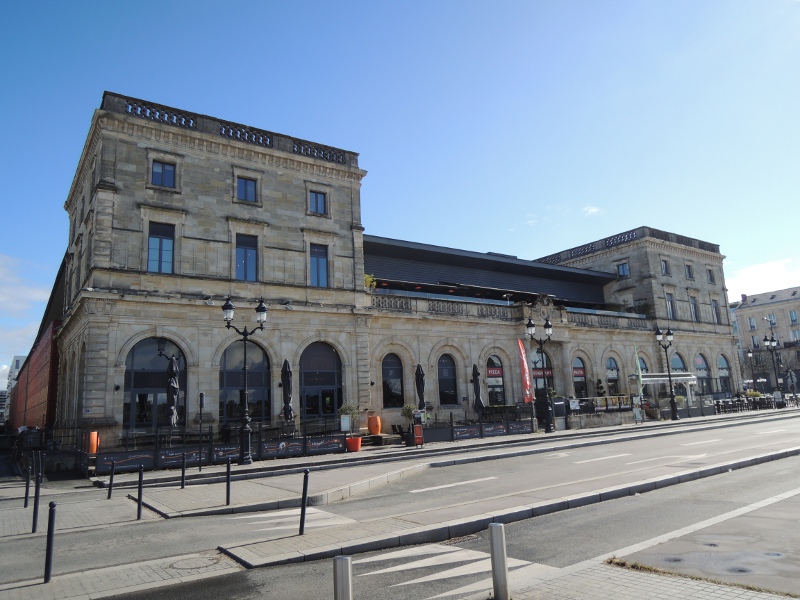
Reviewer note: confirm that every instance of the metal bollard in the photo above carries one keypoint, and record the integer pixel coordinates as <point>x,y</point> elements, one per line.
<point>228,485</point>
<point>343,578</point>
<point>200,431</point>
<point>36,503</point>
<point>27,486</point>
<point>51,530</point>
<point>183,472</point>
<point>111,478</point>
<point>304,502</point>
<point>497,545</point>
<point>139,502</point>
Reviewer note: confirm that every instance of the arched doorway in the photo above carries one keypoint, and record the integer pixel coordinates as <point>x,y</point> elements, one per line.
<point>448,392</point>
<point>231,382</point>
<point>579,378</point>
<point>494,380</point>
<point>724,369</point>
<point>612,376</point>
<point>145,400</point>
<point>542,374</point>
<point>703,375</point>
<point>678,365</point>
<point>320,381</point>
<point>392,375</point>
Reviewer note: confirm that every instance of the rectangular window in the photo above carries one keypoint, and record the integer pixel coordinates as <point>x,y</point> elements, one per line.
<point>163,174</point>
<point>246,257</point>
<point>623,270</point>
<point>695,313</point>
<point>160,246</point>
<point>319,265</point>
<point>317,203</point>
<point>246,189</point>
<point>753,342</point>
<point>751,321</point>
<point>711,278</point>
<point>771,319</point>
<point>715,311</point>
<point>670,307</point>
<point>689,272</point>
<point>664,266</point>
<point>793,317</point>
<point>735,326</point>
<point>796,335</point>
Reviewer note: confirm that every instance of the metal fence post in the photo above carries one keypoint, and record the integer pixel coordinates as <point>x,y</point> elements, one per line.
<point>36,503</point>
<point>51,529</point>
<point>27,486</point>
<point>139,501</point>
<point>303,502</point>
<point>228,484</point>
<point>343,578</point>
<point>497,545</point>
<point>200,431</point>
<point>111,478</point>
<point>183,471</point>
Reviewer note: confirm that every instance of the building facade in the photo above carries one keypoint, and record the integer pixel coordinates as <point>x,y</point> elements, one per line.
<point>767,316</point>
<point>171,213</point>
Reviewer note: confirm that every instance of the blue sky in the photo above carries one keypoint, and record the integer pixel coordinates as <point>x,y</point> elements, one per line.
<point>515,127</point>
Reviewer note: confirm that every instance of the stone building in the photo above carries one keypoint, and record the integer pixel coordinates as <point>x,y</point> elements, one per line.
<point>171,213</point>
<point>769,315</point>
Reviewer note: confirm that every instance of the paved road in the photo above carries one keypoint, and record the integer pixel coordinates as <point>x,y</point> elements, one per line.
<point>338,537</point>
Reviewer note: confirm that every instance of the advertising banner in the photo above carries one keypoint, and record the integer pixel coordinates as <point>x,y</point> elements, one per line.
<point>527,389</point>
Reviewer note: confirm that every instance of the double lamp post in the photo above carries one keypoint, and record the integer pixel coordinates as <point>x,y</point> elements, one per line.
<point>530,328</point>
<point>673,407</point>
<point>244,431</point>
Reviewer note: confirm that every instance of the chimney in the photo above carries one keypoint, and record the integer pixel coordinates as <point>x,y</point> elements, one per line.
<point>744,298</point>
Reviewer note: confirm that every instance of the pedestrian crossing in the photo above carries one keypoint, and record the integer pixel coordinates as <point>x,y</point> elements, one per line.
<point>289,520</point>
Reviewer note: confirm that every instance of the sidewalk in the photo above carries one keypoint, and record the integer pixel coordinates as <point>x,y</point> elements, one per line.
<point>256,489</point>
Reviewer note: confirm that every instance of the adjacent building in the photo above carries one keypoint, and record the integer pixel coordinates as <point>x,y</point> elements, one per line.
<point>172,213</point>
<point>757,320</point>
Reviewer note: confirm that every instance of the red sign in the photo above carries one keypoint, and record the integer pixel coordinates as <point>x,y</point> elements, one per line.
<point>527,391</point>
<point>541,373</point>
<point>494,371</point>
<point>578,372</point>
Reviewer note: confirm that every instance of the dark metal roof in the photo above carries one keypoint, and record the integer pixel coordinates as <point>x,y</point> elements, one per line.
<point>400,264</point>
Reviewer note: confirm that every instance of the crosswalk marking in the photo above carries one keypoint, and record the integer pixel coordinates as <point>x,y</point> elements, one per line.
<point>289,519</point>
<point>449,485</point>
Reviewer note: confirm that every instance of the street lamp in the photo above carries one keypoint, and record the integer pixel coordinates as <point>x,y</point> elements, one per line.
<point>673,407</point>
<point>244,431</point>
<point>530,328</point>
<point>752,371</point>
<point>770,343</point>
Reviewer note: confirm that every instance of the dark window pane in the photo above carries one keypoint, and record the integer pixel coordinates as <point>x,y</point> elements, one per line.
<point>246,189</point>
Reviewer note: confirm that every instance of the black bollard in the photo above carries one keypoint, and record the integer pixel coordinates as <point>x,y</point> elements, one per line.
<point>303,502</point>
<point>228,485</point>
<point>200,431</point>
<point>36,503</point>
<point>183,472</point>
<point>141,483</point>
<point>51,530</point>
<point>27,486</point>
<point>111,479</point>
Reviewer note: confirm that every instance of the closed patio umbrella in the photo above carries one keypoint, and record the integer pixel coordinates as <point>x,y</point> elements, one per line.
<point>419,379</point>
<point>286,387</point>
<point>476,388</point>
<point>173,388</point>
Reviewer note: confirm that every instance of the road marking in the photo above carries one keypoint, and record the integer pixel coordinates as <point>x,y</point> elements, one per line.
<point>441,487</point>
<point>698,443</point>
<point>580,462</point>
<point>766,432</point>
<point>557,455</point>
<point>692,457</point>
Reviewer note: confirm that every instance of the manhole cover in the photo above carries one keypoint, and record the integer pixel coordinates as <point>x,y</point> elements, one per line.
<point>195,562</point>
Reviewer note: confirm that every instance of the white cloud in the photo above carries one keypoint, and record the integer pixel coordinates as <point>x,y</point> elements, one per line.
<point>592,211</point>
<point>17,296</point>
<point>764,277</point>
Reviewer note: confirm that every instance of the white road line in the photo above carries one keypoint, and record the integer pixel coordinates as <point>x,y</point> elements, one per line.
<point>698,443</point>
<point>580,462</point>
<point>440,487</point>
<point>766,432</point>
<point>694,457</point>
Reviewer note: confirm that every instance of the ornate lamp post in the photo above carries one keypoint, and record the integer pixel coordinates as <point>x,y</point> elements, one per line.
<point>530,328</point>
<point>244,431</point>
<point>770,343</point>
<point>673,407</point>
<point>752,371</point>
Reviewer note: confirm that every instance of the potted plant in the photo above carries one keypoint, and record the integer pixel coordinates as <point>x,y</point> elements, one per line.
<point>353,443</point>
<point>407,412</point>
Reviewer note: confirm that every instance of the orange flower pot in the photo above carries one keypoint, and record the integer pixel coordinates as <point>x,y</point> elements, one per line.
<point>353,444</point>
<point>374,425</point>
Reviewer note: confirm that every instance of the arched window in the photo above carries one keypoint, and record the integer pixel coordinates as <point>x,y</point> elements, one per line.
<point>448,392</point>
<point>320,381</point>
<point>643,368</point>
<point>392,374</point>
<point>612,376</point>
<point>494,380</point>
<point>703,375</point>
<point>145,403</point>
<point>724,368</point>
<point>678,365</point>
<point>542,375</point>
<point>231,382</point>
<point>579,378</point>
